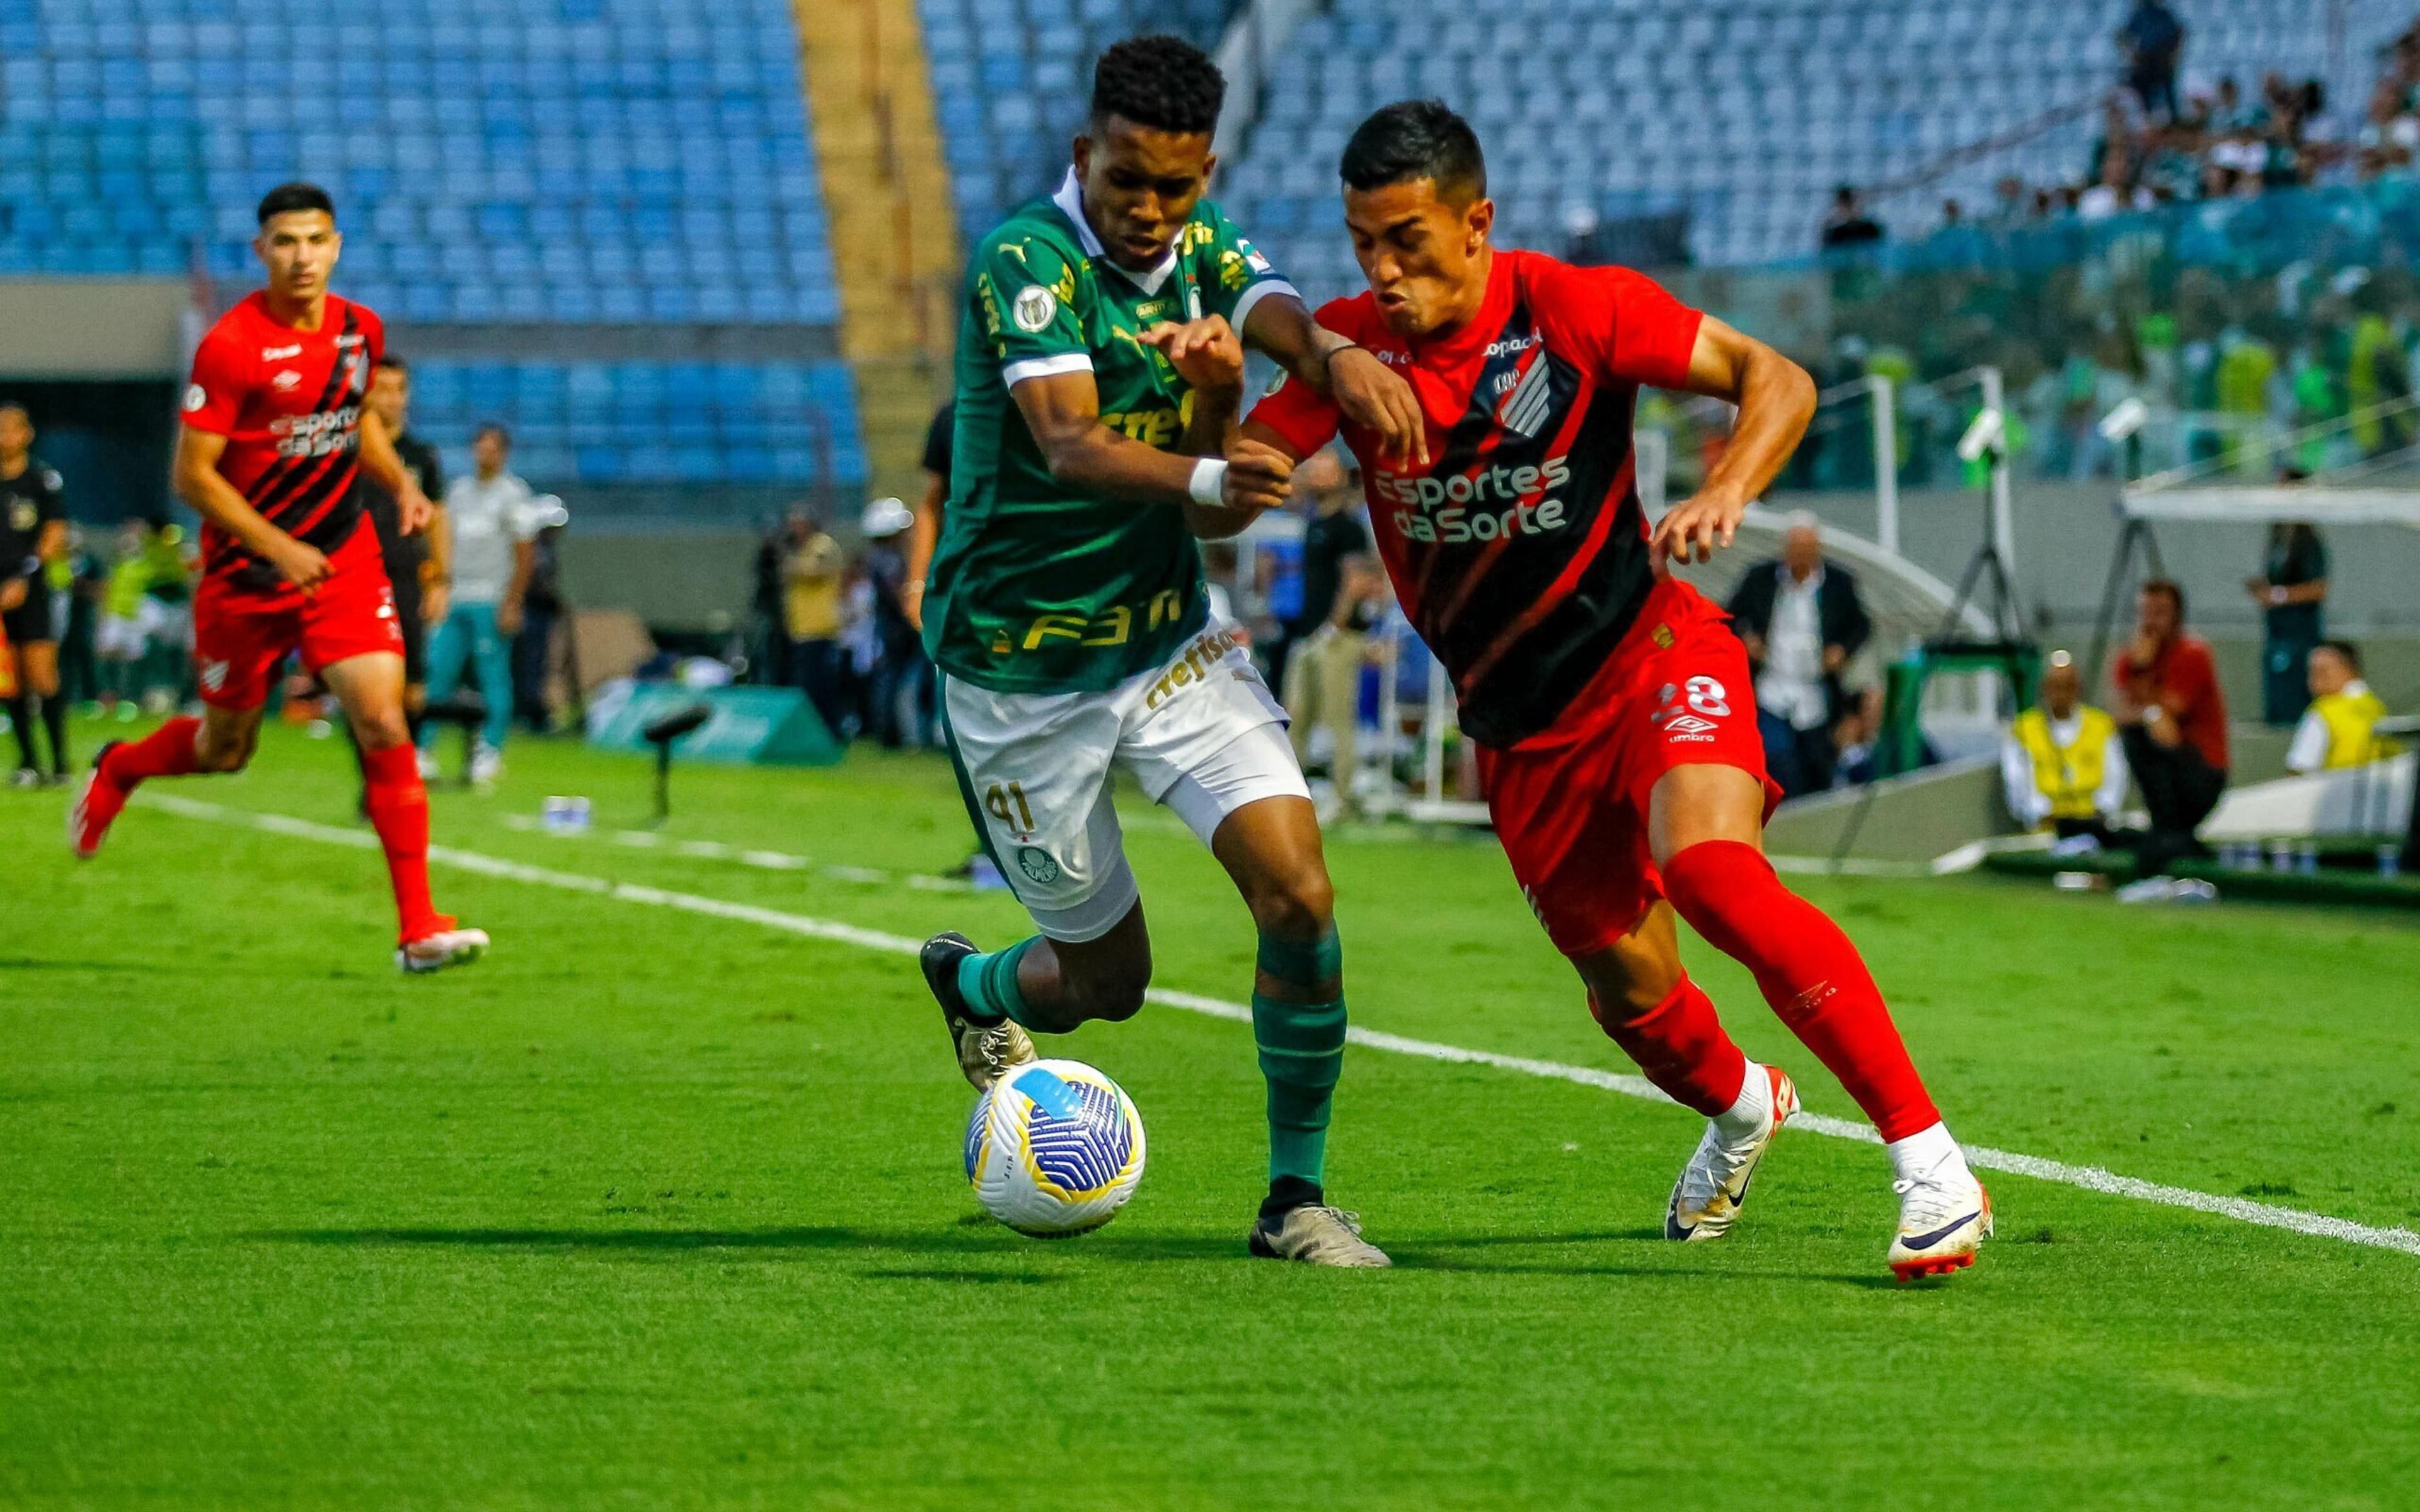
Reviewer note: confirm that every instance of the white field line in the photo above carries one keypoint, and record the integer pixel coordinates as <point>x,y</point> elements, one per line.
<point>2091,1177</point>
<point>714,850</point>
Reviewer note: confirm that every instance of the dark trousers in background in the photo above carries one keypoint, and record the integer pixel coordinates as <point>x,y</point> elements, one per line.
<point>2285,678</point>
<point>2155,86</point>
<point>815,671</point>
<point>533,663</point>
<point>903,701</point>
<point>1802,761</point>
<point>2180,789</point>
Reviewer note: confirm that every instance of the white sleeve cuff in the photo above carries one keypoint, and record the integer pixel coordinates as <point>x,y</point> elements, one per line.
<point>1012,374</point>
<point>1255,294</point>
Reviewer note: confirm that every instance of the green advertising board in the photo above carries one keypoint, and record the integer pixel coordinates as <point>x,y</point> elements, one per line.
<point>765,726</point>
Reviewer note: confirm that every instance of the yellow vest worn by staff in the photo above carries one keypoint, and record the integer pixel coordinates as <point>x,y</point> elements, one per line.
<point>2351,719</point>
<point>2068,775</point>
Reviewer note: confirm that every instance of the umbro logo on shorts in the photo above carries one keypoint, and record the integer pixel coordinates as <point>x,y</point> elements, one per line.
<point>1689,727</point>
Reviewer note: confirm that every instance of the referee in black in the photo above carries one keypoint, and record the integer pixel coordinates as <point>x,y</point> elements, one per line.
<point>33,533</point>
<point>419,590</point>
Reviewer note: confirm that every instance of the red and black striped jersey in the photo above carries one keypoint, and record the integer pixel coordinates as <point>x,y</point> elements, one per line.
<point>289,404</point>
<point>1520,554</point>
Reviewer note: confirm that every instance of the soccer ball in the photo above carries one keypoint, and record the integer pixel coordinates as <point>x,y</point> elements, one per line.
<point>1054,1149</point>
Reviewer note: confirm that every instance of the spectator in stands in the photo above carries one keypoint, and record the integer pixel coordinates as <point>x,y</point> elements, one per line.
<point>542,611</point>
<point>2292,592</point>
<point>2340,728</point>
<point>2172,718</point>
<point>901,697</point>
<point>1322,681</point>
<point>1847,225</point>
<point>925,534</point>
<point>1332,530</point>
<point>811,612</point>
<point>2063,765</point>
<point>487,551</point>
<point>2152,39</point>
<point>2115,191</point>
<point>1801,619</point>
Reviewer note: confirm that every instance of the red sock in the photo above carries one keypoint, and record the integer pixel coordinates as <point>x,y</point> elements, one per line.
<point>398,806</point>
<point>1681,1047</point>
<point>1808,971</point>
<point>167,751</point>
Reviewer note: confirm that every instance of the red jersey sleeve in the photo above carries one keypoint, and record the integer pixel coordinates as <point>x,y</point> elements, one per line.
<point>222,380</point>
<point>1306,420</point>
<point>374,331</point>
<point>1638,332</point>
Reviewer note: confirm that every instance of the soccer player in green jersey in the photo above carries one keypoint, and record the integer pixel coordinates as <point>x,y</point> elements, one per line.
<point>1099,378</point>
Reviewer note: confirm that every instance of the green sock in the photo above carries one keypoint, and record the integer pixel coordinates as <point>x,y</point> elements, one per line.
<point>1302,1051</point>
<point>988,983</point>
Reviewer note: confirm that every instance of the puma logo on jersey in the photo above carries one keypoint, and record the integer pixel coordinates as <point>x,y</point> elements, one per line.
<point>279,354</point>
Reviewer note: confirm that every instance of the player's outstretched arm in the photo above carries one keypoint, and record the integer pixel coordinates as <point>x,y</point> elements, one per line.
<point>1063,412</point>
<point>1775,399</point>
<point>1364,390</point>
<point>200,485</point>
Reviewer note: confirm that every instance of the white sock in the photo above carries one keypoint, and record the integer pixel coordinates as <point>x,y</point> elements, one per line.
<point>1924,1151</point>
<point>1747,1116</point>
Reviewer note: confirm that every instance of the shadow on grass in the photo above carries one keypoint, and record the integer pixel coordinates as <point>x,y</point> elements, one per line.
<point>21,962</point>
<point>1475,1255</point>
<point>958,1241</point>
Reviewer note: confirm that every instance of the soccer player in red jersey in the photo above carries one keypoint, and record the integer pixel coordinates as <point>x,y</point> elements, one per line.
<point>275,429</point>
<point>1610,702</point>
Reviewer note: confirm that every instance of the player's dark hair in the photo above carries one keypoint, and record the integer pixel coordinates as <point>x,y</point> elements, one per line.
<point>390,360</point>
<point>2350,653</point>
<point>495,428</point>
<point>2174,590</point>
<point>1416,139</point>
<point>1165,83</point>
<point>287,198</point>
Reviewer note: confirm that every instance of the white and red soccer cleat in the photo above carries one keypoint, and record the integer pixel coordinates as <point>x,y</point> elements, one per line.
<point>98,803</point>
<point>1714,1185</point>
<point>1944,1217</point>
<point>448,945</point>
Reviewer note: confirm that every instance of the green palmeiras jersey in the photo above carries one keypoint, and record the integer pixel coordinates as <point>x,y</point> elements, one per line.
<point>1037,587</point>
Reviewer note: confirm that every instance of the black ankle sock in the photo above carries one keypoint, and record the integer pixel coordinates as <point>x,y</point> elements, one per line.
<point>1287,1193</point>
<point>55,719</point>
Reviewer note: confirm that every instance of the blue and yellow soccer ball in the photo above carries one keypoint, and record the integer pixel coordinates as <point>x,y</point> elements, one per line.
<point>1054,1149</point>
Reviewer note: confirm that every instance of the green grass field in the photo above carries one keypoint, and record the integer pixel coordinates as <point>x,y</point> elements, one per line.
<point>659,1209</point>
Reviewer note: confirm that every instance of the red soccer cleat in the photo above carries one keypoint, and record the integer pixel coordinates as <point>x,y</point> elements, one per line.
<point>97,806</point>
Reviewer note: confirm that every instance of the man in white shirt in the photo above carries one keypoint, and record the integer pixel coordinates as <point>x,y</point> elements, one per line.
<point>2063,764</point>
<point>491,521</point>
<point>1802,620</point>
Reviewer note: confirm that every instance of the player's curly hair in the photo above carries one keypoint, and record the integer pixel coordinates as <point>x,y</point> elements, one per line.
<point>1416,139</point>
<point>1165,83</point>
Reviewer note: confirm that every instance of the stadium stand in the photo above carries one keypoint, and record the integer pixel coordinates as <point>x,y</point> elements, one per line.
<point>556,164</point>
<point>1743,117</point>
<point>1011,77</point>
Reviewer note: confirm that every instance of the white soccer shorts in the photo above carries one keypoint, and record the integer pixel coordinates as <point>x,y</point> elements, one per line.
<point>1201,736</point>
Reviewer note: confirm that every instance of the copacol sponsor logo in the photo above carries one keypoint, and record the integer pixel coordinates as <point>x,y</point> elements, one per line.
<point>1480,505</point>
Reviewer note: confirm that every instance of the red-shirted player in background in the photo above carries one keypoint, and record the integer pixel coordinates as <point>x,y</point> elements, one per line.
<point>274,426</point>
<point>1610,702</point>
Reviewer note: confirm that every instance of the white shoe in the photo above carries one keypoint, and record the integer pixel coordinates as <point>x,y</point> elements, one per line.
<point>428,768</point>
<point>446,948</point>
<point>1944,1217</point>
<point>1317,1235</point>
<point>486,766</point>
<point>1714,1185</point>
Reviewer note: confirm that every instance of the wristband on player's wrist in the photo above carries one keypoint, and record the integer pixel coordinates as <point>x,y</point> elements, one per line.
<point>1208,484</point>
<point>1327,360</point>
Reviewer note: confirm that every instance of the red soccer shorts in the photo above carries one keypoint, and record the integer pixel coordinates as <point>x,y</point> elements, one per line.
<point>1570,803</point>
<point>241,636</point>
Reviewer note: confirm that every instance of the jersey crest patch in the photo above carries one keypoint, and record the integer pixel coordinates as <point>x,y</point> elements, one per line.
<point>1034,309</point>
